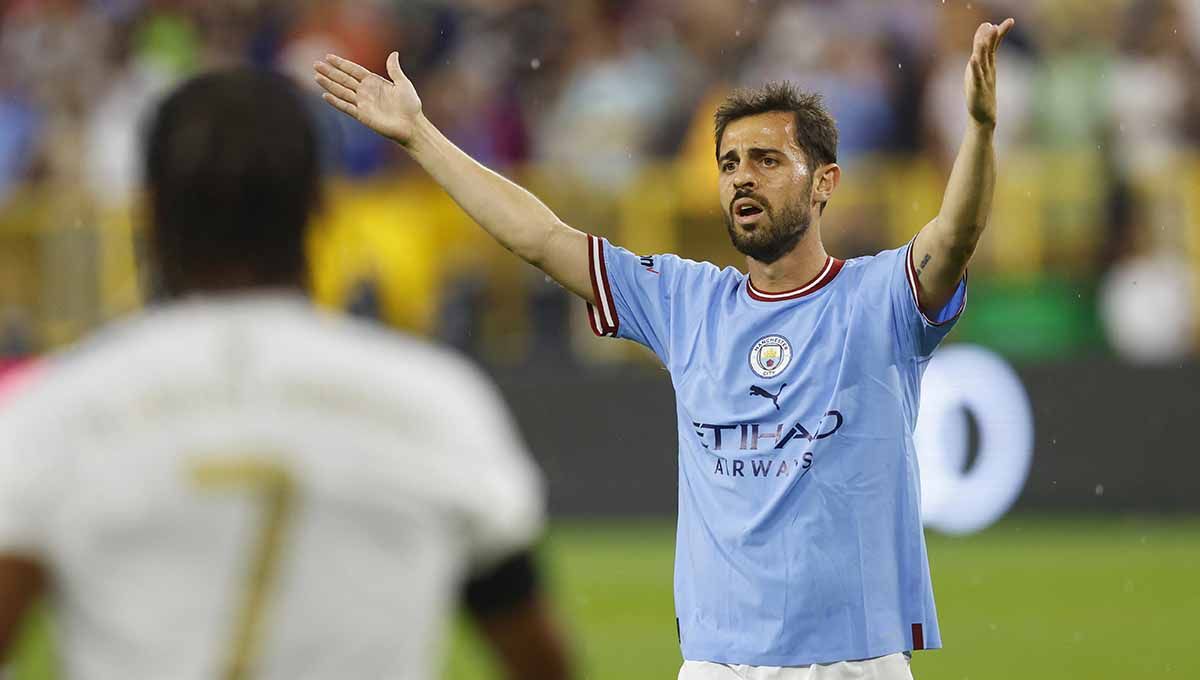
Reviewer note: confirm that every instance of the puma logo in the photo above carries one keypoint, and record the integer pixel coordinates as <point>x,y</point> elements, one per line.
<point>756,391</point>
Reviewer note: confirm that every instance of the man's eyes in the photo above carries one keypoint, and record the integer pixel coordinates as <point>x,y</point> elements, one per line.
<point>766,162</point>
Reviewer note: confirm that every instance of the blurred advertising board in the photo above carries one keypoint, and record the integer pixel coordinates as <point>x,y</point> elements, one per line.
<point>1086,435</point>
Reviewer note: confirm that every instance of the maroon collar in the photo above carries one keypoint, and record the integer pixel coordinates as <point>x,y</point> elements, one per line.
<point>827,274</point>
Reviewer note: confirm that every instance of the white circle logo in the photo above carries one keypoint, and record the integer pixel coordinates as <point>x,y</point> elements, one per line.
<point>964,378</point>
<point>770,356</point>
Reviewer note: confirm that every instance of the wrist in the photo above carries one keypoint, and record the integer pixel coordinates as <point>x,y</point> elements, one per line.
<point>421,135</point>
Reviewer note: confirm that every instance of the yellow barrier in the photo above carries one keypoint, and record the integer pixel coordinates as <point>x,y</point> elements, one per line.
<point>71,265</point>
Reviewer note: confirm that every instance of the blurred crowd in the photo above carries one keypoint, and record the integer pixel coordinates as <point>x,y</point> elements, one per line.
<point>587,99</point>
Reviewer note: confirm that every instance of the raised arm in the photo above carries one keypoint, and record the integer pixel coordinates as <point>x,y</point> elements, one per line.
<point>512,215</point>
<point>944,247</point>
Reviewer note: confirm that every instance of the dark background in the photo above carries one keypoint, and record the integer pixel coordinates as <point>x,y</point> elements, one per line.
<point>606,438</point>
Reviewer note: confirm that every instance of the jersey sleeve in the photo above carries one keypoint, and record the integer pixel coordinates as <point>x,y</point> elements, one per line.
<point>504,504</point>
<point>636,295</point>
<point>920,331</point>
<point>26,487</point>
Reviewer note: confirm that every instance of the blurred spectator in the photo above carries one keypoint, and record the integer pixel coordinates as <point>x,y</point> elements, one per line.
<point>54,49</point>
<point>16,335</point>
<point>1154,105</point>
<point>1149,97</point>
<point>605,106</point>
<point>834,49</point>
<point>945,110</point>
<point>612,103</point>
<point>18,130</point>
<point>1148,311</point>
<point>114,128</point>
<point>1073,76</point>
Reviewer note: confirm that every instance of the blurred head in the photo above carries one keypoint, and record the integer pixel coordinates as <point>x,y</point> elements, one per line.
<point>233,175</point>
<point>777,156</point>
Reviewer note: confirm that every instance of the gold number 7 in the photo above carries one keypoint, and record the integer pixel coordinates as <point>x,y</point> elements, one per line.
<point>276,491</point>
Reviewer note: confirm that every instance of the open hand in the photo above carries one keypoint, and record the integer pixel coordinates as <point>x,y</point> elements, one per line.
<point>980,79</point>
<point>389,107</point>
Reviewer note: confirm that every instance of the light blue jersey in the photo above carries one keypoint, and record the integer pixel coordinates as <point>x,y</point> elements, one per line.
<point>799,537</point>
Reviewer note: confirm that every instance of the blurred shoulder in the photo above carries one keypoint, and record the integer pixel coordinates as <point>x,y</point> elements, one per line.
<point>260,341</point>
<point>369,347</point>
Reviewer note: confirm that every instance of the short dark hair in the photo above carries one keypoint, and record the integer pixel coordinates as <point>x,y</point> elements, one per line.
<point>233,171</point>
<point>816,130</point>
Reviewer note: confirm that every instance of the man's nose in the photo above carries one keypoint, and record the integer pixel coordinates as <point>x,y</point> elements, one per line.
<point>743,179</point>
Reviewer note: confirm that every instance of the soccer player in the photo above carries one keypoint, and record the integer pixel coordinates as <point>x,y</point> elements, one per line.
<point>800,552</point>
<point>236,485</point>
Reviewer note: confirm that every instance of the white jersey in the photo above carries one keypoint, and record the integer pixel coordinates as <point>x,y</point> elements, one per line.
<point>245,487</point>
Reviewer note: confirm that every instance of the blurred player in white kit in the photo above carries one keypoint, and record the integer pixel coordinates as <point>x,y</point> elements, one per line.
<point>236,485</point>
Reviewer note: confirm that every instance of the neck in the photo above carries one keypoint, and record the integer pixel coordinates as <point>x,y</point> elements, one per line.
<point>799,266</point>
<point>234,280</point>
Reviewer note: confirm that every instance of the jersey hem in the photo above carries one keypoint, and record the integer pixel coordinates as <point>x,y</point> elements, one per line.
<point>734,657</point>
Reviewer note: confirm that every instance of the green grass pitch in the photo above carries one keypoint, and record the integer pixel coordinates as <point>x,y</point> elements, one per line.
<point>1031,598</point>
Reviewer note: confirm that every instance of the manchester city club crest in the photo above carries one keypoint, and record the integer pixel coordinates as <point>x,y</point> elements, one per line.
<point>770,356</point>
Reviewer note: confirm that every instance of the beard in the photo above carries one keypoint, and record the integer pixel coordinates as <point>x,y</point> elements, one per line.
<point>769,242</point>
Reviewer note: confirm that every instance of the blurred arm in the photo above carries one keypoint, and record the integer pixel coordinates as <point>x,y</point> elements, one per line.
<point>515,619</point>
<point>21,583</point>
<point>943,248</point>
<point>512,215</point>
<point>527,642</point>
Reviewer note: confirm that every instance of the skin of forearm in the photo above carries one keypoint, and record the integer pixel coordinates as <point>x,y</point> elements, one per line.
<point>22,580</point>
<point>945,247</point>
<point>513,216</point>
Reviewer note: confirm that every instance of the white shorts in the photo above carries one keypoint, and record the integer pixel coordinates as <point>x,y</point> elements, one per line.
<point>890,667</point>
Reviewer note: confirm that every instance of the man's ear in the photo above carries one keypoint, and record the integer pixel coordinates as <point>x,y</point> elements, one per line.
<point>825,182</point>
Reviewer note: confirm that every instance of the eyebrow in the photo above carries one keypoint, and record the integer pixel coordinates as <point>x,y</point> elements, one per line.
<point>758,151</point>
<point>753,152</point>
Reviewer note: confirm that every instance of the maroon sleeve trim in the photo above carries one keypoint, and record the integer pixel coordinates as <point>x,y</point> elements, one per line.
<point>914,284</point>
<point>602,316</point>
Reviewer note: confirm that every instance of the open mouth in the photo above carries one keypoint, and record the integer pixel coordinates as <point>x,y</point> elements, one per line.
<point>746,210</point>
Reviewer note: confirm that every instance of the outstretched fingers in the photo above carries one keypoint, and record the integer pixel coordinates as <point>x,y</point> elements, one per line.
<point>337,89</point>
<point>341,105</point>
<point>337,75</point>
<point>990,53</point>
<point>977,70</point>
<point>1005,27</point>
<point>987,41</point>
<point>998,36</point>
<point>980,44</point>
<point>348,67</point>
<point>340,78</point>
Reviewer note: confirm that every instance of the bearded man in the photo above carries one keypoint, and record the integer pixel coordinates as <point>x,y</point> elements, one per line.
<point>800,552</point>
